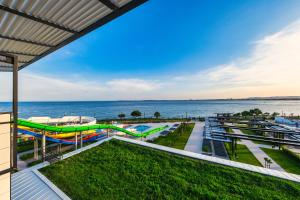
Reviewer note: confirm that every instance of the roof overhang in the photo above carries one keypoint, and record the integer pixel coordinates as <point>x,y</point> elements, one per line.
<point>32,29</point>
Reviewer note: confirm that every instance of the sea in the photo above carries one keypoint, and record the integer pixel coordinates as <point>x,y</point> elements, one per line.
<point>167,108</point>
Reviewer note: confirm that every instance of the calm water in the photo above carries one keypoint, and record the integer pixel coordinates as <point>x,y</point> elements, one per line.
<point>111,109</point>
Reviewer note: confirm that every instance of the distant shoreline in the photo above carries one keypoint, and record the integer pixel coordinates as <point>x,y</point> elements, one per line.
<point>242,99</point>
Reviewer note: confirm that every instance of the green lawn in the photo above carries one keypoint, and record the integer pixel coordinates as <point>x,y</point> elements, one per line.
<point>250,132</point>
<point>24,146</point>
<point>27,156</point>
<point>178,138</point>
<point>119,170</point>
<point>243,155</point>
<point>288,162</point>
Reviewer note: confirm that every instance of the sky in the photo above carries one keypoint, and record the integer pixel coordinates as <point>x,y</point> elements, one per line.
<point>172,49</point>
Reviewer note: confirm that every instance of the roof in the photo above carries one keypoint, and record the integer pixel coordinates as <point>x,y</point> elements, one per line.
<point>32,29</point>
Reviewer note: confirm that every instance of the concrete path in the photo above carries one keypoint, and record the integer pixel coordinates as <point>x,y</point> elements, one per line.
<point>194,144</point>
<point>257,152</point>
<point>27,184</point>
<point>295,150</point>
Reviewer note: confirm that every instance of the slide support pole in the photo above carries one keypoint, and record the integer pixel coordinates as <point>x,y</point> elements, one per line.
<point>44,146</point>
<point>76,140</point>
<point>36,149</point>
<point>81,142</point>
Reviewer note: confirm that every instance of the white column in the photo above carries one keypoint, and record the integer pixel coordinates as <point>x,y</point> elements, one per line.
<point>36,149</point>
<point>44,146</point>
<point>81,142</point>
<point>76,140</point>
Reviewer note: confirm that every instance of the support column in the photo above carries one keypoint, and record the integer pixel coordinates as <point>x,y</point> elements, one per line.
<point>36,149</point>
<point>81,142</point>
<point>44,146</point>
<point>15,111</point>
<point>76,140</point>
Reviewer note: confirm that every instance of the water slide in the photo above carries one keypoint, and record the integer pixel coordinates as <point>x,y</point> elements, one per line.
<point>58,136</point>
<point>89,138</point>
<point>70,129</point>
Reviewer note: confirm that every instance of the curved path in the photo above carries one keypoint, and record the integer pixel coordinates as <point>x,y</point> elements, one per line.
<point>257,152</point>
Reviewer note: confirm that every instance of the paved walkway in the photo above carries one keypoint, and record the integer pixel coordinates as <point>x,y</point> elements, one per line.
<point>295,150</point>
<point>257,152</point>
<point>194,144</point>
<point>28,185</point>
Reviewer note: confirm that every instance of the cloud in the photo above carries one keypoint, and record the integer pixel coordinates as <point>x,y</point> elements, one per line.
<point>272,68</point>
<point>132,85</point>
<point>34,87</point>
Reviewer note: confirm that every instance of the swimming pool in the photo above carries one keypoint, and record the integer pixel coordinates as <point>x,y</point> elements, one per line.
<point>141,128</point>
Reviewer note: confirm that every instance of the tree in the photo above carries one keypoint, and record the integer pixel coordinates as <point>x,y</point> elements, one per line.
<point>275,114</point>
<point>266,114</point>
<point>257,111</point>
<point>245,113</point>
<point>237,114</point>
<point>156,115</point>
<point>121,115</point>
<point>136,113</point>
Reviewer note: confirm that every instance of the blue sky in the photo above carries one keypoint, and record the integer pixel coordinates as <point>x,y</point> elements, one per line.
<point>162,43</point>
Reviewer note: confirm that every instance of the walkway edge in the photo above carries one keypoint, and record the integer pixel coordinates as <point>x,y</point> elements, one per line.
<point>51,185</point>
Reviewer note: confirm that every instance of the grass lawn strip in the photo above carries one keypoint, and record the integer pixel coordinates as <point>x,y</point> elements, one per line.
<point>243,155</point>
<point>119,170</point>
<point>178,138</point>
<point>286,161</point>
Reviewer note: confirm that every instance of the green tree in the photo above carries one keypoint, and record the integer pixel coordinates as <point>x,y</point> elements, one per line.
<point>267,114</point>
<point>237,114</point>
<point>275,114</point>
<point>245,113</point>
<point>257,111</point>
<point>136,113</point>
<point>121,115</point>
<point>157,115</point>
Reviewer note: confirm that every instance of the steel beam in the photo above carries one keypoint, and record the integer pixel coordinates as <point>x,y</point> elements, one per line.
<point>25,41</point>
<point>109,4</point>
<point>36,19</point>
<point>20,53</point>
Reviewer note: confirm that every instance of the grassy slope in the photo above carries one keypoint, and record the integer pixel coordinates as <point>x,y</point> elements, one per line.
<point>285,160</point>
<point>178,138</point>
<point>118,170</point>
<point>243,155</point>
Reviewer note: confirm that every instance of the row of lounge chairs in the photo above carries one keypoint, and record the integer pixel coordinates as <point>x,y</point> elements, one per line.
<point>166,132</point>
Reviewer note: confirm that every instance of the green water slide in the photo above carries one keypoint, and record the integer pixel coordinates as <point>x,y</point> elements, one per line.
<point>69,129</point>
